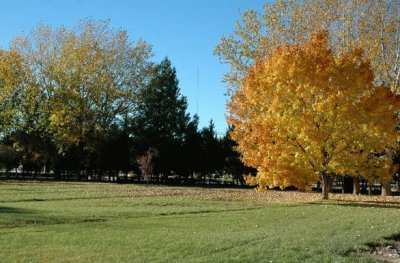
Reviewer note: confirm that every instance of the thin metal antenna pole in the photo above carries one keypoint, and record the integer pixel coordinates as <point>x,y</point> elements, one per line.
<point>197,92</point>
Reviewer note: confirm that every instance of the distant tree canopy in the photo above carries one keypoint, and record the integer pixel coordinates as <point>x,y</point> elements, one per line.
<point>372,24</point>
<point>87,102</point>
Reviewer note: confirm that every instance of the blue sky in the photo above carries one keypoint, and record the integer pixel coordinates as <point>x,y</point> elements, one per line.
<point>185,31</point>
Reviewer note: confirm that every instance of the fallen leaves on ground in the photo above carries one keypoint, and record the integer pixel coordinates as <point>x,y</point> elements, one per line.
<point>58,191</point>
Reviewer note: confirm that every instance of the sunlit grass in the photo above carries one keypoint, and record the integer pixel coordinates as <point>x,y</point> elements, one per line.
<point>82,222</point>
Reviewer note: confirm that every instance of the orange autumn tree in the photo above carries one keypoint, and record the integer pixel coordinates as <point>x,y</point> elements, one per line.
<point>303,115</point>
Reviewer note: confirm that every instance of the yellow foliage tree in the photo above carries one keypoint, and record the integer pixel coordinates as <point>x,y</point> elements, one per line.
<point>304,114</point>
<point>19,93</point>
<point>23,115</point>
<point>11,74</point>
<point>90,76</point>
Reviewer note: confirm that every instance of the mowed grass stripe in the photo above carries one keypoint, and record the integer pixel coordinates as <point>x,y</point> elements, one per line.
<point>192,226</point>
<point>221,238</point>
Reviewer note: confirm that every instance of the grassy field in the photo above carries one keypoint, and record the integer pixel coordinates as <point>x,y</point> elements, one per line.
<point>83,222</point>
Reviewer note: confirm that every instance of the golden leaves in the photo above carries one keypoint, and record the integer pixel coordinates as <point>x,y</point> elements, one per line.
<point>303,112</point>
<point>13,86</point>
<point>88,75</point>
<point>10,71</point>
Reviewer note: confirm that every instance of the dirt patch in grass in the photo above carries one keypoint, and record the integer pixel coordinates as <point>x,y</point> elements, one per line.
<point>388,253</point>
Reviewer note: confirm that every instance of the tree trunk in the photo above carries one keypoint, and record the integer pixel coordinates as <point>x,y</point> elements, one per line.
<point>356,185</point>
<point>364,187</point>
<point>330,184</point>
<point>386,190</point>
<point>325,186</point>
<point>347,186</point>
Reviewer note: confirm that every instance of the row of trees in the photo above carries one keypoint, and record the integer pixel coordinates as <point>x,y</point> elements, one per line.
<point>87,102</point>
<point>309,106</point>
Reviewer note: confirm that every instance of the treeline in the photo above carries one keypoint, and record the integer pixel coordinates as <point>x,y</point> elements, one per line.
<point>87,103</point>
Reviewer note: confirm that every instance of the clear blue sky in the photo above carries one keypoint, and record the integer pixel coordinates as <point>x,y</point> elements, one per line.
<point>184,30</point>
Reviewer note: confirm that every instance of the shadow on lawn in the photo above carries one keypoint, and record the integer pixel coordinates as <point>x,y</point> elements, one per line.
<point>14,210</point>
<point>375,204</point>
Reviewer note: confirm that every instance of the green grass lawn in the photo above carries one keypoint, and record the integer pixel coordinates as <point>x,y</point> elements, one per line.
<point>83,222</point>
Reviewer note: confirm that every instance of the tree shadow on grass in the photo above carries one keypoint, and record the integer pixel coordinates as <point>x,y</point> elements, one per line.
<point>14,210</point>
<point>374,204</point>
<point>11,217</point>
<point>394,237</point>
<point>388,239</point>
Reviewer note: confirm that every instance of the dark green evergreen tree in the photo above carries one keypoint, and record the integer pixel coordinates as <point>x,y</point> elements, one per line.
<point>191,161</point>
<point>232,163</point>
<point>160,120</point>
<point>212,156</point>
